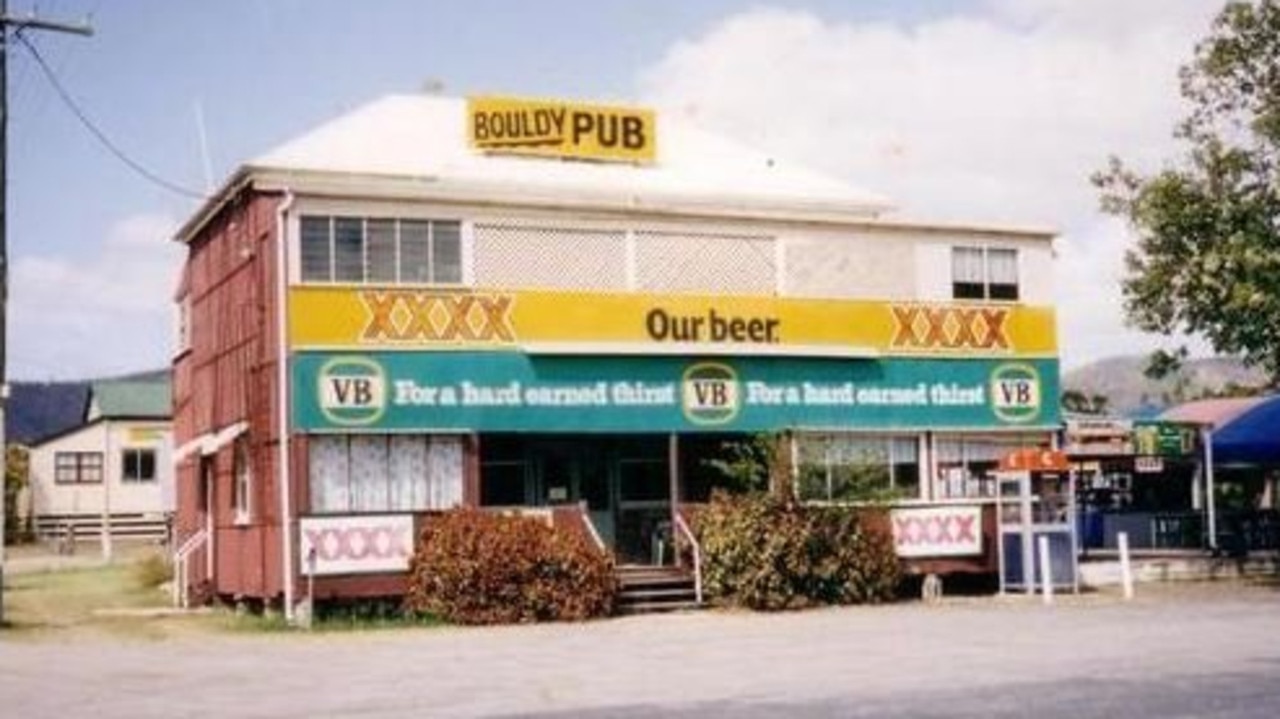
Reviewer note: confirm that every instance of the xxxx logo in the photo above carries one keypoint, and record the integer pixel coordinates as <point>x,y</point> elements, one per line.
<point>403,316</point>
<point>934,530</point>
<point>950,328</point>
<point>358,543</point>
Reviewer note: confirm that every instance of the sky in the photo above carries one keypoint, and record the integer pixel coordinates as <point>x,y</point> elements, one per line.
<point>986,112</point>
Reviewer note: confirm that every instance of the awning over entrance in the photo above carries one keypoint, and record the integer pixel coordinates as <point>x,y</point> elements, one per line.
<point>1253,437</point>
<point>1245,430</point>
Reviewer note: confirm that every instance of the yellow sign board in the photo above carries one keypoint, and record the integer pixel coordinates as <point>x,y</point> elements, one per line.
<point>553,128</point>
<point>144,434</point>
<point>396,318</point>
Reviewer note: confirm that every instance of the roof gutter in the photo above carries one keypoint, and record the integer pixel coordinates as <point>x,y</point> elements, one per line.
<point>214,205</point>
<point>344,185</point>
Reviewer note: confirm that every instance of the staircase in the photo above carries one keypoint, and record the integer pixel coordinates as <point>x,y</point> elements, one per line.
<point>647,589</point>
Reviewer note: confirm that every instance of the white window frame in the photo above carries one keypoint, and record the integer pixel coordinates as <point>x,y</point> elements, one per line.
<point>138,452</point>
<point>986,251</point>
<point>242,482</point>
<point>333,213</point>
<point>890,441</point>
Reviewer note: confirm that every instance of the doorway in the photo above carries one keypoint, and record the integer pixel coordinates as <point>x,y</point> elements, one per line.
<point>624,481</point>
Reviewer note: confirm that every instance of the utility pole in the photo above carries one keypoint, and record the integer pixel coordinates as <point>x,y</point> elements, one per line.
<point>19,24</point>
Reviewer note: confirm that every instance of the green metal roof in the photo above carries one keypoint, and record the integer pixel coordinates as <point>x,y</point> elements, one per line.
<point>132,398</point>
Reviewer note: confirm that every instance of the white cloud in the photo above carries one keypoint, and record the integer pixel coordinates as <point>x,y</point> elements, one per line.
<point>996,116</point>
<point>109,310</point>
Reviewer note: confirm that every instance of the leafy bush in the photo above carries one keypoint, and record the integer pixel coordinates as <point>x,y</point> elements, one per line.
<point>474,567</point>
<point>765,554</point>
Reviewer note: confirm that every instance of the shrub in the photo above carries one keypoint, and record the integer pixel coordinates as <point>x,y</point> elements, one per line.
<point>152,571</point>
<point>473,567</point>
<point>766,554</point>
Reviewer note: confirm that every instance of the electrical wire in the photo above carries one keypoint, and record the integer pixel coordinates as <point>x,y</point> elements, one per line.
<point>94,130</point>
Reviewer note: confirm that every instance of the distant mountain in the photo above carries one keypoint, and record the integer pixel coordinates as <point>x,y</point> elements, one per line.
<point>1128,390</point>
<point>36,410</point>
<point>150,375</point>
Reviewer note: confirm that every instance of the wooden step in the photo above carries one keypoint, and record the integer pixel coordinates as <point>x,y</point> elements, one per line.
<point>646,589</point>
<point>659,607</point>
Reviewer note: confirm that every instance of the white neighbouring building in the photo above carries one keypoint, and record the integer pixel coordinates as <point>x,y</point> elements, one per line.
<point>115,469</point>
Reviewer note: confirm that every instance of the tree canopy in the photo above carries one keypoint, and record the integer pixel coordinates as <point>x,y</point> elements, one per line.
<point>1207,257</point>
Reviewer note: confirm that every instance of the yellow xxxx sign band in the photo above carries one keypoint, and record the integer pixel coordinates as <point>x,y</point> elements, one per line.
<point>398,318</point>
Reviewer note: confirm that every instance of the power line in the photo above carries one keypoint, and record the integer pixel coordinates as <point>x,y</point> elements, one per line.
<point>93,129</point>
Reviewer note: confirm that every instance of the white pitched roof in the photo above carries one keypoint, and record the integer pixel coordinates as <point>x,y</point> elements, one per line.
<point>422,139</point>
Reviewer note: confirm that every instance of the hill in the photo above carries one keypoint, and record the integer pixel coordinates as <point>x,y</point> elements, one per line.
<point>36,410</point>
<point>1128,390</point>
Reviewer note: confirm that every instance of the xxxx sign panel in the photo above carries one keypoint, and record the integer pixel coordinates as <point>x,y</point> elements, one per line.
<point>937,531</point>
<point>356,545</point>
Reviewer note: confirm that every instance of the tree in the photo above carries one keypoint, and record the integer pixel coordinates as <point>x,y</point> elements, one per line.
<point>15,479</point>
<point>762,461</point>
<point>1073,400</point>
<point>1207,258</point>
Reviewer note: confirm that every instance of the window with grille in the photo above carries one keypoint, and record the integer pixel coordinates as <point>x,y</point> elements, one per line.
<point>373,250</point>
<point>984,273</point>
<point>77,467</point>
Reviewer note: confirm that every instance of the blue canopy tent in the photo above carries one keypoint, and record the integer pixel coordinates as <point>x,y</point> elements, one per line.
<point>1241,432</point>
<point>1251,437</point>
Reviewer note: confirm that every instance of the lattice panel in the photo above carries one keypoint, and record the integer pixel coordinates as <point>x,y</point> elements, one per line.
<point>534,256</point>
<point>705,263</point>
<point>852,267</point>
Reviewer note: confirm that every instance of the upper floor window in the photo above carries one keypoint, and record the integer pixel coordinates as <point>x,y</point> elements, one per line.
<point>984,273</point>
<point>380,250</point>
<point>77,467</point>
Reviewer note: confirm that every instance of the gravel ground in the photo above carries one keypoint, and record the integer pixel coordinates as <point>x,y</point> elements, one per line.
<point>1202,649</point>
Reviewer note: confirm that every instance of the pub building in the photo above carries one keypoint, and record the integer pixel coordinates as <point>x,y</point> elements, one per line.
<point>569,309</point>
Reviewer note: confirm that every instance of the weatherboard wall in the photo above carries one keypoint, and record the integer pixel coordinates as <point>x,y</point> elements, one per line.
<point>224,375</point>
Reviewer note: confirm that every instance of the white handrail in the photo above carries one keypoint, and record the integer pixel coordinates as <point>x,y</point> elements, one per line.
<point>697,556</point>
<point>181,565</point>
<point>591,526</point>
<point>192,543</point>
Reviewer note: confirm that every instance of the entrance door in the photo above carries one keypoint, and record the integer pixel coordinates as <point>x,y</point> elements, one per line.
<point>573,471</point>
<point>644,510</point>
<point>206,506</point>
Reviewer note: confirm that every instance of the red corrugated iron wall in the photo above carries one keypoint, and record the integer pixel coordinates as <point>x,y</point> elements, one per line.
<point>226,376</point>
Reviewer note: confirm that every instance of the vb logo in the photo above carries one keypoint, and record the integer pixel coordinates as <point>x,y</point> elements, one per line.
<point>352,390</point>
<point>1015,392</point>
<point>710,393</point>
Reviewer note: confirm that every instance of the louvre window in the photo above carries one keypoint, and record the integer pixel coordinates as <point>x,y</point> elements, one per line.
<point>358,250</point>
